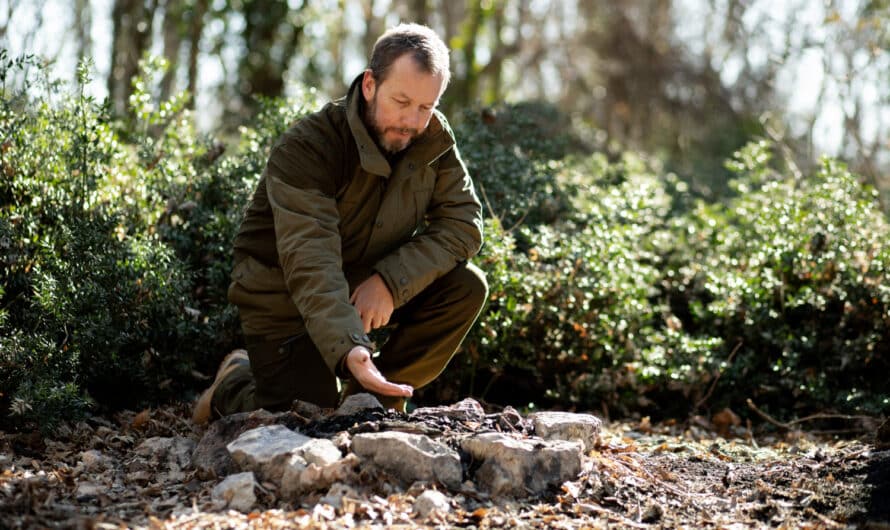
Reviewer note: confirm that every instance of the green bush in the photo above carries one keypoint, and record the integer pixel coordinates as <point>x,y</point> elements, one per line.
<point>509,150</point>
<point>86,304</point>
<point>792,275</point>
<point>574,317</point>
<point>629,303</point>
<point>115,254</point>
<point>611,286</point>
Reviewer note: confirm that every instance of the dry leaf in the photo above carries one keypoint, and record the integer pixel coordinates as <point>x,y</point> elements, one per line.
<point>725,419</point>
<point>141,419</point>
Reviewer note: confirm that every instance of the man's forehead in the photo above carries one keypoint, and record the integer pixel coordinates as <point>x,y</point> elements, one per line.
<point>399,93</point>
<point>424,92</point>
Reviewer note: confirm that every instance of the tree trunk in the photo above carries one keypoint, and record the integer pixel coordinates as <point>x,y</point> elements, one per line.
<point>420,11</point>
<point>269,43</point>
<point>196,29</point>
<point>465,83</point>
<point>172,32</point>
<point>452,14</point>
<point>131,36</point>
<point>373,27</point>
<point>83,24</point>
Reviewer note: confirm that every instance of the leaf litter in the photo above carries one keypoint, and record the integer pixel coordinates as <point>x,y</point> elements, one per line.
<point>697,474</point>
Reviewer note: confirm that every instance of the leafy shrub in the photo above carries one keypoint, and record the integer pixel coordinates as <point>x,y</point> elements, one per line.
<point>611,287</point>
<point>509,149</point>
<point>115,255</point>
<point>629,303</point>
<point>85,303</point>
<point>791,273</point>
<point>574,318</point>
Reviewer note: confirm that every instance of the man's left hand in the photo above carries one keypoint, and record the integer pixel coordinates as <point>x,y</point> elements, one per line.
<point>373,301</point>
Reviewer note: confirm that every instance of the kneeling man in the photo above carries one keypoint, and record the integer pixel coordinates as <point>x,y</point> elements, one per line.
<point>364,217</point>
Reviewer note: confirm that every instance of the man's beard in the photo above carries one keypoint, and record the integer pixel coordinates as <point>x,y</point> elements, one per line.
<point>380,132</point>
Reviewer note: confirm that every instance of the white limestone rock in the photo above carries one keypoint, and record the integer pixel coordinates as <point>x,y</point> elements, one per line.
<point>410,457</point>
<point>465,410</point>
<point>237,492</point>
<point>568,426</point>
<point>357,403</point>
<point>430,501</point>
<point>266,450</point>
<point>522,467</point>
<point>302,477</point>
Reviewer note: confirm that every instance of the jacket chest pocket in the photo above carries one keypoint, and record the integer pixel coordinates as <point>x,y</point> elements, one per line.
<point>403,211</point>
<point>358,205</point>
<point>423,196</point>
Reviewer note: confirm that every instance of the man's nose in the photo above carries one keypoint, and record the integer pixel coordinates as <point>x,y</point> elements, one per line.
<point>412,119</point>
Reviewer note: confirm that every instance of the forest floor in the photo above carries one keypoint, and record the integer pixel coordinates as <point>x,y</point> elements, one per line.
<point>640,475</point>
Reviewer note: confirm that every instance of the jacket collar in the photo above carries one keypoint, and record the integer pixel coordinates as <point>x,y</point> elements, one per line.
<point>433,143</point>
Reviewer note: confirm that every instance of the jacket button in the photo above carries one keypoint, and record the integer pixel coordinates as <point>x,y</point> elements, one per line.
<point>404,281</point>
<point>379,224</point>
<point>365,338</point>
<point>355,337</point>
<point>411,166</point>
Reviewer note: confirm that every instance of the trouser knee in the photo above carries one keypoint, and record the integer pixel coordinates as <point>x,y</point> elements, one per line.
<point>470,286</point>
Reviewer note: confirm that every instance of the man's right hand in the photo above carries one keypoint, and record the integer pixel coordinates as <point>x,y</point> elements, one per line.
<point>360,364</point>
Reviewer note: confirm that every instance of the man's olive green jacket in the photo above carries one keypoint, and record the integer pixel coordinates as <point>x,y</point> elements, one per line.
<point>329,211</point>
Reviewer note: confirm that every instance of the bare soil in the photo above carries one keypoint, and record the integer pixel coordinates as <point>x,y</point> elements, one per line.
<point>639,476</point>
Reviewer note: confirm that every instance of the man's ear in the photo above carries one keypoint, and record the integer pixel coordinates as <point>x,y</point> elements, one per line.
<point>369,86</point>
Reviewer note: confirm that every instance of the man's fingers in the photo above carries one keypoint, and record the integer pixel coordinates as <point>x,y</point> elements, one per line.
<point>366,321</point>
<point>380,320</point>
<point>373,321</point>
<point>369,377</point>
<point>374,381</point>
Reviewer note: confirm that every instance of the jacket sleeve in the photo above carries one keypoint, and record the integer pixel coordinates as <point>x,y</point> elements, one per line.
<point>453,234</point>
<point>301,194</point>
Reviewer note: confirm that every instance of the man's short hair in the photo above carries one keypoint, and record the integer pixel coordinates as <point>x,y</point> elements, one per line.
<point>428,50</point>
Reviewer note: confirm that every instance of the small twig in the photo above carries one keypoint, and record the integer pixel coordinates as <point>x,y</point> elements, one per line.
<point>624,460</point>
<point>521,218</point>
<point>495,377</point>
<point>825,520</point>
<point>779,140</point>
<point>766,416</point>
<point>790,425</point>
<point>719,375</point>
<point>488,204</point>
<point>751,434</point>
<point>834,432</point>
<point>823,416</point>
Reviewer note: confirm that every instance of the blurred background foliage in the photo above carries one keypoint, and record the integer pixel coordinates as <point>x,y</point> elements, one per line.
<point>663,236</point>
<point>688,81</point>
